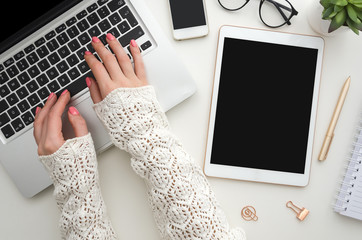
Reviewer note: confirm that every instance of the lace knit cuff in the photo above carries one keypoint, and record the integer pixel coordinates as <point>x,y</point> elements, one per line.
<point>73,169</point>
<point>130,112</point>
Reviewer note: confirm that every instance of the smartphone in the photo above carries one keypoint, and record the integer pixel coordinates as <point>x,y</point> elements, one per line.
<point>189,19</point>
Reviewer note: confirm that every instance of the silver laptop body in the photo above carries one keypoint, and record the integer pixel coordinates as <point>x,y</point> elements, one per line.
<point>18,150</point>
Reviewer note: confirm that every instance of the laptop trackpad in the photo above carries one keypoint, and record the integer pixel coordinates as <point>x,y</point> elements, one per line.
<point>95,127</point>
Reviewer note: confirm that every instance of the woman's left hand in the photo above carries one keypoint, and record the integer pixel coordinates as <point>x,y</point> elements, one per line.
<point>48,124</point>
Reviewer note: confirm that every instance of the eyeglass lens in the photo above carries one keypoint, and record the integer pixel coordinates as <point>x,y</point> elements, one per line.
<point>233,5</point>
<point>273,13</point>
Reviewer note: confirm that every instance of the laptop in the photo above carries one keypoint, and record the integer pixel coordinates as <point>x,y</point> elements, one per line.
<point>42,52</point>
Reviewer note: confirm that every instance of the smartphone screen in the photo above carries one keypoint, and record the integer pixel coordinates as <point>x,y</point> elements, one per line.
<point>187,13</point>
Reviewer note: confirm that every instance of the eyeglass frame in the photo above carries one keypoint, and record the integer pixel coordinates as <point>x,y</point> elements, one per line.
<point>278,6</point>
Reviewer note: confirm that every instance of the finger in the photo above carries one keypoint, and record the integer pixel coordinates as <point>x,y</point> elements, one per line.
<point>54,121</point>
<point>94,90</point>
<point>123,59</point>
<point>40,116</point>
<point>109,60</point>
<point>77,121</point>
<point>139,66</point>
<point>98,70</point>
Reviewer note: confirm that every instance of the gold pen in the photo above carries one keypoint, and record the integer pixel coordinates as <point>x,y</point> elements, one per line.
<point>337,111</point>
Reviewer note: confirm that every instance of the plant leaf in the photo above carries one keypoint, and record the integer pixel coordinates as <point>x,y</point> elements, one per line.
<point>352,14</point>
<point>327,12</point>
<point>325,3</point>
<point>355,1</point>
<point>337,8</point>
<point>359,5</point>
<point>339,2</point>
<point>350,24</point>
<point>358,11</point>
<point>338,21</point>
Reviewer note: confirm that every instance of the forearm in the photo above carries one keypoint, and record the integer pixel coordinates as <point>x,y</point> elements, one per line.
<point>180,196</point>
<point>73,169</point>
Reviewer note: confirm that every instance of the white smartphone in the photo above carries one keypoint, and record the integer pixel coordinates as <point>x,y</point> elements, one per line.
<point>189,19</point>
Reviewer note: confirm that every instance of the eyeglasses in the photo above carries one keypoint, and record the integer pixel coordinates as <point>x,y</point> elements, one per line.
<point>267,12</point>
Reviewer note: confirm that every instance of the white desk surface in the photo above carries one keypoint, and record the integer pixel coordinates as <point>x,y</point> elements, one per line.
<point>124,192</point>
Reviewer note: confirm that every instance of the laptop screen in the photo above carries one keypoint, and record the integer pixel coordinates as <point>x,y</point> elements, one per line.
<point>29,19</point>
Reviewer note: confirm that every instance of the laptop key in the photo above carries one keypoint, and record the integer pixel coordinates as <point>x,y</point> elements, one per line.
<point>32,86</point>
<point>94,31</point>
<point>33,71</point>
<point>17,124</point>
<point>3,77</point>
<point>32,58</point>
<point>33,99</point>
<point>77,85</point>
<point>53,86</point>
<point>23,106</point>
<point>92,7</point>
<point>12,99</point>
<point>13,112</point>
<point>133,34</point>
<point>3,105</point>
<point>27,118</point>
<point>12,71</point>
<point>93,18</point>
<point>63,80</point>
<point>43,93</point>
<point>4,119</point>
<point>115,4</point>
<point>53,58</point>
<point>84,38</point>
<point>4,91</point>
<point>14,84</point>
<point>22,92</point>
<point>23,78</point>
<point>127,14</point>
<point>22,64</point>
<point>44,64</point>
<point>103,12</point>
<point>7,131</point>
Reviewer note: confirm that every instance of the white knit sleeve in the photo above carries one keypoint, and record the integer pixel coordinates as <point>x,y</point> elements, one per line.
<point>73,169</point>
<point>180,196</point>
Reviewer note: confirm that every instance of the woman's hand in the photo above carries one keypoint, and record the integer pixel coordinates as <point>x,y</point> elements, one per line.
<point>116,71</point>
<point>48,123</point>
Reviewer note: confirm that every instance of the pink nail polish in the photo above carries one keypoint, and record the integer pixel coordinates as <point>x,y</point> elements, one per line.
<point>87,53</point>
<point>110,36</point>
<point>51,96</point>
<point>88,81</point>
<point>95,40</point>
<point>64,92</point>
<point>73,111</point>
<point>133,43</point>
<point>37,110</point>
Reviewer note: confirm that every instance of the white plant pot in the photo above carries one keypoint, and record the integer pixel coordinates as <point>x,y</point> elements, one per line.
<point>318,24</point>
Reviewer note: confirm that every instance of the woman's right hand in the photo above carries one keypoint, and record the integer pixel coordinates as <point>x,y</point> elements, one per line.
<point>116,71</point>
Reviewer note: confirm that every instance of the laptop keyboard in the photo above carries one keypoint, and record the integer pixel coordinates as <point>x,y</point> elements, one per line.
<point>55,62</point>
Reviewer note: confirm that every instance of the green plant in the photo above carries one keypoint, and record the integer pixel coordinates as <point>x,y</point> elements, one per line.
<point>343,13</point>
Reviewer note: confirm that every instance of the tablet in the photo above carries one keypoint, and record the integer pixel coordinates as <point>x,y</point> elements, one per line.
<point>263,106</point>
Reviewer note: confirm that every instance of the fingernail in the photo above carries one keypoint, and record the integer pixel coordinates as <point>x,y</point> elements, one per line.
<point>95,40</point>
<point>50,96</point>
<point>37,110</point>
<point>110,36</point>
<point>64,92</point>
<point>73,111</point>
<point>88,81</point>
<point>88,53</point>
<point>133,43</point>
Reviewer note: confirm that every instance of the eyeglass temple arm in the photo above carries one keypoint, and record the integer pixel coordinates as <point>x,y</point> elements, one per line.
<point>279,6</point>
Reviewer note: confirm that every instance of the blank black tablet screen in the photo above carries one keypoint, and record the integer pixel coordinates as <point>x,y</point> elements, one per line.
<point>264,106</point>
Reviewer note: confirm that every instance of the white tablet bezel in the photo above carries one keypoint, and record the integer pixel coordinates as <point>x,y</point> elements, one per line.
<point>260,175</point>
